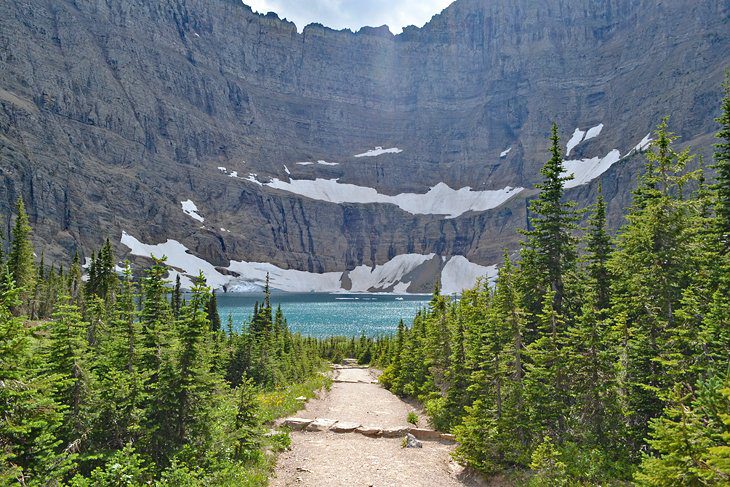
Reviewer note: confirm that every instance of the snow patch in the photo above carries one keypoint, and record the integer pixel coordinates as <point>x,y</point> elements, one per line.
<point>574,140</point>
<point>379,151</point>
<point>189,208</point>
<point>252,177</point>
<point>401,288</point>
<point>222,169</point>
<point>504,153</point>
<point>586,170</point>
<point>178,256</point>
<point>644,144</point>
<point>185,281</point>
<point>381,277</point>
<point>459,274</point>
<point>593,132</point>
<point>286,170</point>
<point>439,200</point>
<point>234,174</point>
<point>304,163</point>
<point>325,163</point>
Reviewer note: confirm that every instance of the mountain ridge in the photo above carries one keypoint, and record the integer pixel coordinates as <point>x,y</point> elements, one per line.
<point>114,113</point>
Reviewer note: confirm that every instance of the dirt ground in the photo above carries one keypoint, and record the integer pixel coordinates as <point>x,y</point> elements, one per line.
<point>326,459</point>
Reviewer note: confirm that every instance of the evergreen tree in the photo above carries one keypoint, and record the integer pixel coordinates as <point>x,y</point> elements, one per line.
<point>21,259</point>
<point>248,423</point>
<point>30,417</point>
<point>68,360</point>
<point>550,244</point>
<point>691,441</point>
<point>176,302</point>
<point>598,251</point>
<point>545,380</point>
<point>722,167</point>
<point>651,272</point>
<point>212,312</point>
<point>120,377</point>
<point>156,316</point>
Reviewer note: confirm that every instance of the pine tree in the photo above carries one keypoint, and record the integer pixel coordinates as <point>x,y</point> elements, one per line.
<point>591,368</point>
<point>545,378</point>
<point>722,167</point>
<point>651,271</point>
<point>30,417</point>
<point>156,316</point>
<point>550,244</point>
<point>248,423</point>
<point>21,260</point>
<point>121,379</point>
<point>598,251</point>
<point>194,383</point>
<point>74,283</point>
<point>103,278</point>
<point>691,441</point>
<point>176,302</point>
<point>68,359</point>
<point>212,312</point>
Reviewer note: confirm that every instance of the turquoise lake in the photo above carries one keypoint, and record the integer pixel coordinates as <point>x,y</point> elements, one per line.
<point>322,315</point>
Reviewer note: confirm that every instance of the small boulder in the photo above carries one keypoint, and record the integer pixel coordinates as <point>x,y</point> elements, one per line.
<point>412,441</point>
<point>448,437</point>
<point>369,431</point>
<point>344,427</point>
<point>321,424</point>
<point>394,432</point>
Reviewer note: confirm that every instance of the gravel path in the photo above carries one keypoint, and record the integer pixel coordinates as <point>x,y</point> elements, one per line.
<point>326,459</point>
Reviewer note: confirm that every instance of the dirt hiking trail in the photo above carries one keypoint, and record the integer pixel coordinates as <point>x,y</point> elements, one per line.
<point>353,436</point>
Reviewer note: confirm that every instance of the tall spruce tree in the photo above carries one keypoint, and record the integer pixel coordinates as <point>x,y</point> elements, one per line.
<point>598,251</point>
<point>21,259</point>
<point>31,419</point>
<point>722,167</point>
<point>651,272</point>
<point>550,245</point>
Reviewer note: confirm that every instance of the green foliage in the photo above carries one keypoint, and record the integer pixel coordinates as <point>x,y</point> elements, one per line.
<point>691,440</point>
<point>578,367</point>
<point>548,467</point>
<point>21,260</point>
<point>125,467</point>
<point>722,167</point>
<point>412,418</point>
<point>119,387</point>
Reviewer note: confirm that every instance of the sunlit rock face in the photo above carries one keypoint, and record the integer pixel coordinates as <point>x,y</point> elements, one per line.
<point>115,113</point>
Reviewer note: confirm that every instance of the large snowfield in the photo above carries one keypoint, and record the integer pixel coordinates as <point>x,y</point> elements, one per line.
<point>439,200</point>
<point>458,272</point>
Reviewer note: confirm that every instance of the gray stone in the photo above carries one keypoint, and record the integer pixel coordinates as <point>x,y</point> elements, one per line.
<point>412,441</point>
<point>394,432</point>
<point>344,427</point>
<point>321,424</point>
<point>297,424</point>
<point>370,431</point>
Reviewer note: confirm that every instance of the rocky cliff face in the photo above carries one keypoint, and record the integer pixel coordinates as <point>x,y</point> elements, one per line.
<point>114,112</point>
